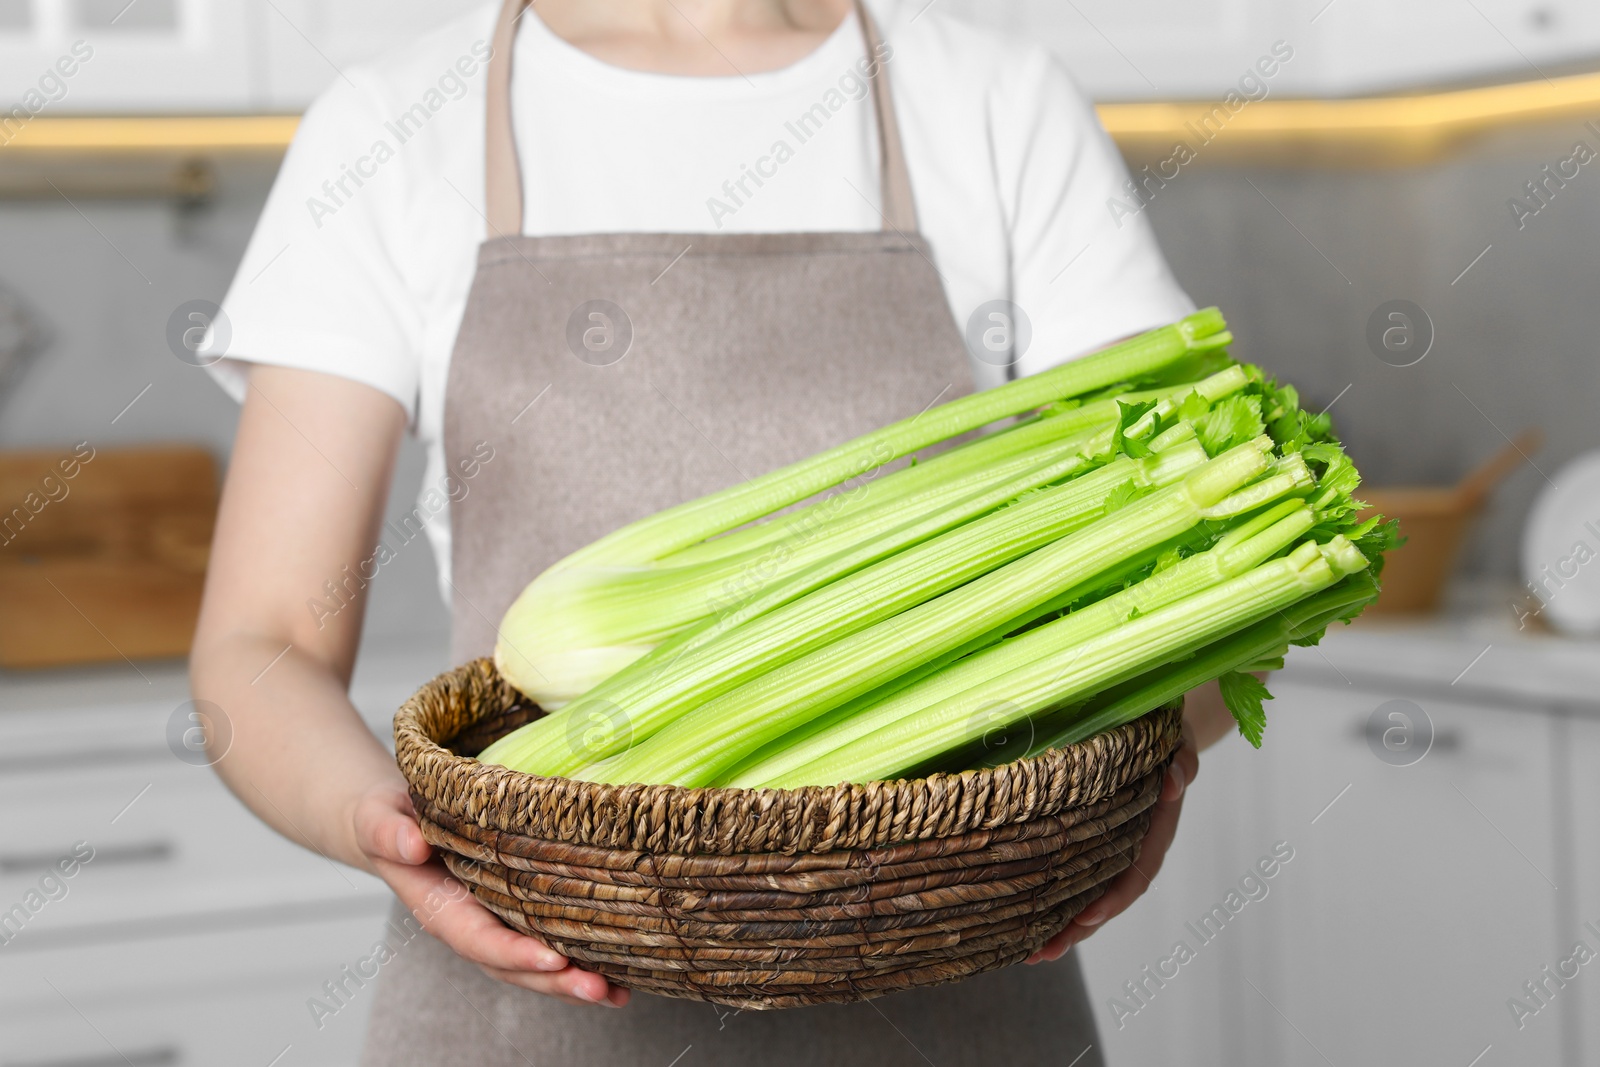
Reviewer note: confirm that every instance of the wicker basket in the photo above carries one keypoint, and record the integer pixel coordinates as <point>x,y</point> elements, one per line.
<point>778,898</point>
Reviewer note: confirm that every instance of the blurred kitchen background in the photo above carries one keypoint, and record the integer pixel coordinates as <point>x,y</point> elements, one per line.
<point>1433,772</point>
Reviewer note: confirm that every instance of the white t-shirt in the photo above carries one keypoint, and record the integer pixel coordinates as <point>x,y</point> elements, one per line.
<point>363,256</point>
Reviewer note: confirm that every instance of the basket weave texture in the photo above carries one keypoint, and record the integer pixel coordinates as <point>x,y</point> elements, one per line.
<point>778,898</point>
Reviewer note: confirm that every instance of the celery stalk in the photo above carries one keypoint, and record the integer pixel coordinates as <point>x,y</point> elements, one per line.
<point>696,748</point>
<point>1240,651</point>
<point>1241,549</point>
<point>565,615</point>
<point>1079,669</point>
<point>652,694</point>
<point>901,485</point>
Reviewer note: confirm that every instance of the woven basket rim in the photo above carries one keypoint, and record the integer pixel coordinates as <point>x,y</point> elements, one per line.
<point>656,819</point>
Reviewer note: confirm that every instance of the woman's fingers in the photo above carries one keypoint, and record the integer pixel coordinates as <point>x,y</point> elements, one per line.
<point>534,983</point>
<point>1052,949</point>
<point>448,911</point>
<point>387,832</point>
<point>571,985</point>
<point>452,915</point>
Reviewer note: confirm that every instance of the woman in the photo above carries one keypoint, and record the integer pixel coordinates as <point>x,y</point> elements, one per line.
<point>743,251</point>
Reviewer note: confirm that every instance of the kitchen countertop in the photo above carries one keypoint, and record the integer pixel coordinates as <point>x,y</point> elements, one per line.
<point>388,670</point>
<point>1474,647</point>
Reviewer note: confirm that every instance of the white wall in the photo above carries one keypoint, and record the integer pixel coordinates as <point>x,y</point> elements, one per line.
<point>274,55</point>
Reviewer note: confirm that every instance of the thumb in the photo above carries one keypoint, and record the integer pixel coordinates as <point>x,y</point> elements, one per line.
<point>386,827</point>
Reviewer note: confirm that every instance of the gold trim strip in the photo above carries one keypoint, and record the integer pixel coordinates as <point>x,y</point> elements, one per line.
<point>1373,129</point>
<point>147,134</point>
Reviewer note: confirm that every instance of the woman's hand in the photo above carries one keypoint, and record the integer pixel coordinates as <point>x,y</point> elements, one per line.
<point>387,833</point>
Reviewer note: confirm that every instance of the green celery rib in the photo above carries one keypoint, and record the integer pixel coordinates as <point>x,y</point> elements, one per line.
<point>888,525</point>
<point>1289,475</point>
<point>1081,669</point>
<point>583,607</point>
<point>1242,651</point>
<point>698,747</point>
<point>1239,550</point>
<point>1104,584</point>
<point>1160,470</point>
<point>1264,666</point>
<point>1180,440</point>
<point>904,485</point>
<point>560,641</point>
<point>652,693</point>
<point>689,523</point>
<point>901,484</point>
<point>1177,447</point>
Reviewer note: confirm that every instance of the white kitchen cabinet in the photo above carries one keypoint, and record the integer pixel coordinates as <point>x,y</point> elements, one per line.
<point>1379,45</point>
<point>1422,896</point>
<point>1418,900</point>
<point>195,935</point>
<point>1147,49</point>
<point>1205,1016</point>
<point>168,841</point>
<point>198,55</point>
<point>233,997</point>
<point>166,55</point>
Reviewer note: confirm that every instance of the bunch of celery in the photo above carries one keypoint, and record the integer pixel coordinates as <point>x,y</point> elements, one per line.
<point>1159,516</point>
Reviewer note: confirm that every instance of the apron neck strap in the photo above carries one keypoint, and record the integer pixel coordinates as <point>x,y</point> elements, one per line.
<point>503,174</point>
<point>894,180</point>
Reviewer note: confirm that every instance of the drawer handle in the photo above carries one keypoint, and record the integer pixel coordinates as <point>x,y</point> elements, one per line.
<point>161,1056</point>
<point>1443,740</point>
<point>110,855</point>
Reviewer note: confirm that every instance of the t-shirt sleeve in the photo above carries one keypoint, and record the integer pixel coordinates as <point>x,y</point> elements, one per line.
<point>1086,272</point>
<point>318,287</point>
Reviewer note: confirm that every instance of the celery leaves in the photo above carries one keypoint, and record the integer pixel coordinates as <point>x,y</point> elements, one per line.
<point>1243,694</point>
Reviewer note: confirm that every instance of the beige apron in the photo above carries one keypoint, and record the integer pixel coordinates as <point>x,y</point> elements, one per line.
<point>617,374</point>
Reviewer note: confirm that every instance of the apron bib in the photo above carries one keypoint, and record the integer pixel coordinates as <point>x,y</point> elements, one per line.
<point>614,375</point>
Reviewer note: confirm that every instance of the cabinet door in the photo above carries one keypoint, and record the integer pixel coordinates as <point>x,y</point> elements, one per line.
<point>65,56</point>
<point>1421,896</point>
<point>1417,900</point>
<point>162,840</point>
<point>1582,749</point>
<point>1367,46</point>
<point>198,999</point>
<point>1152,49</point>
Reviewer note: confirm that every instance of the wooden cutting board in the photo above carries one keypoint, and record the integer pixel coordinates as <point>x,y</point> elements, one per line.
<point>102,552</point>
